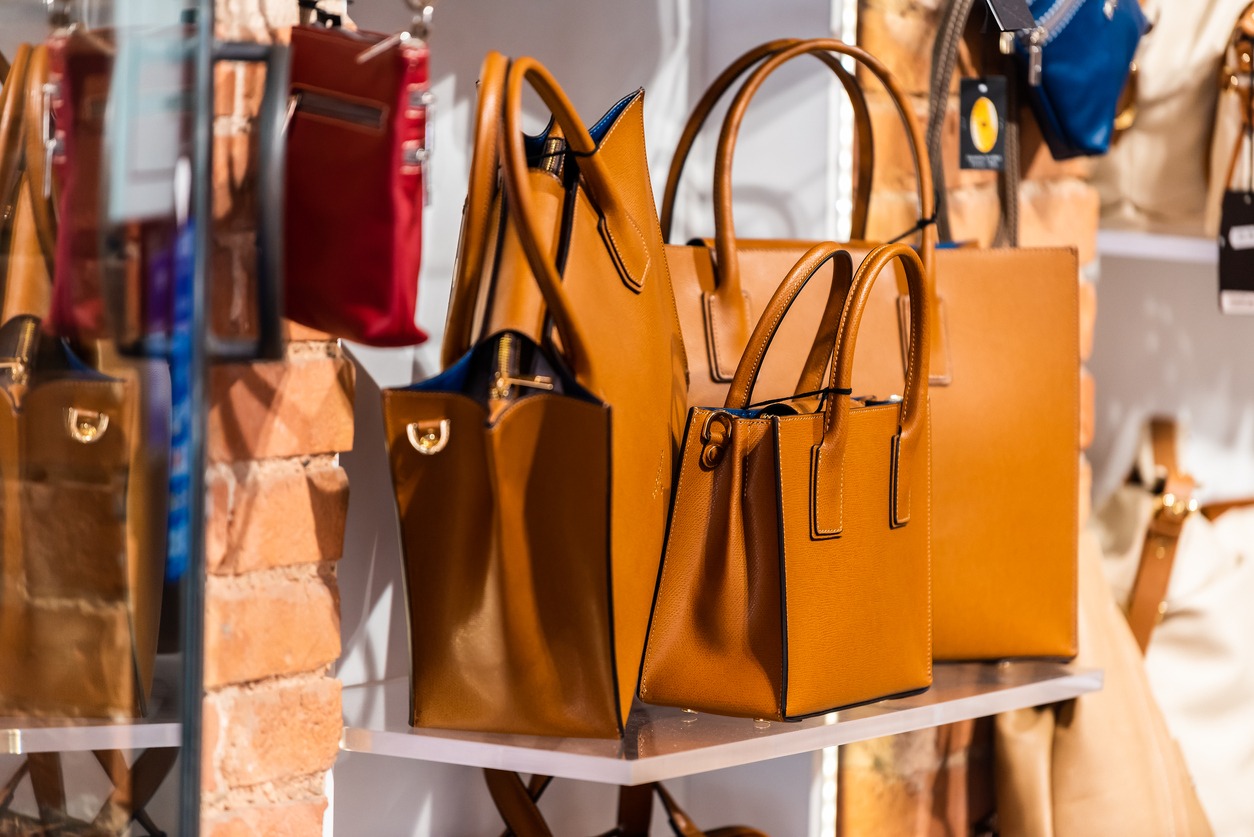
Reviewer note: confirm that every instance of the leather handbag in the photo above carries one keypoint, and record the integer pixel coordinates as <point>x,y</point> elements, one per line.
<point>1076,62</point>
<point>516,803</point>
<point>1003,546</point>
<point>356,179</point>
<point>796,574</point>
<point>1231,168</point>
<point>1103,763</point>
<point>84,473</point>
<point>542,461</point>
<point>1160,166</point>
<point>1184,574</point>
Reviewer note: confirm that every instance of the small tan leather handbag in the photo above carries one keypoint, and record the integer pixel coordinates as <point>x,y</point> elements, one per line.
<point>1006,331</point>
<point>1231,164</point>
<point>533,475</point>
<point>797,567</point>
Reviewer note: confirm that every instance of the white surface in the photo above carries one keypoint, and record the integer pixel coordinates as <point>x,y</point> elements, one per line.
<point>1157,247</point>
<point>663,743</point>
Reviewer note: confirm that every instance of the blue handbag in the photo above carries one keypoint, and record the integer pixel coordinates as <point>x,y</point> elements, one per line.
<point>1077,61</point>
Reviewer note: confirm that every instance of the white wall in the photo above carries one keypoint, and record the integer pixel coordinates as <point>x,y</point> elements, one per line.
<point>598,51</point>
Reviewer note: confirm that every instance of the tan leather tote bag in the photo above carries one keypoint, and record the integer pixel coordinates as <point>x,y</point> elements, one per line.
<point>797,567</point>
<point>1007,330</point>
<point>1184,574</point>
<point>533,475</point>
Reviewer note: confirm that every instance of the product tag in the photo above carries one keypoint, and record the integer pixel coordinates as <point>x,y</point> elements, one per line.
<point>982,123</point>
<point>1012,15</point>
<point>1236,254</point>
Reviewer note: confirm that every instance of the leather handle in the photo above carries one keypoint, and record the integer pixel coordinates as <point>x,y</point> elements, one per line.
<point>864,140</point>
<point>472,244</point>
<point>12,110</point>
<point>785,295</point>
<point>827,462</point>
<point>620,232</point>
<point>729,285</point>
<point>37,174</point>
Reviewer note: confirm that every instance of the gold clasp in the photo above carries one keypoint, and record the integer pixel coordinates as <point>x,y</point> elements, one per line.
<point>428,439</point>
<point>85,426</point>
<point>716,432</point>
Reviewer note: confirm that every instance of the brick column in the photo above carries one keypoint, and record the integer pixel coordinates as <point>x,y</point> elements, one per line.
<point>276,507</point>
<point>939,781</point>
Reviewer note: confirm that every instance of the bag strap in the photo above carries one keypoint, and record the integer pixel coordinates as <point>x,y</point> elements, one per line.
<point>482,189</point>
<point>1174,502</point>
<point>944,59</point>
<point>12,109</point>
<point>38,184</point>
<point>863,138</point>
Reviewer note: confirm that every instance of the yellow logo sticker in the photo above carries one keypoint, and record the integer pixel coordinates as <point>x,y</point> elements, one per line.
<point>984,128</point>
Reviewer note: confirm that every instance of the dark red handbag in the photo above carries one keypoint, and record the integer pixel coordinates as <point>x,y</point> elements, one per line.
<point>356,153</point>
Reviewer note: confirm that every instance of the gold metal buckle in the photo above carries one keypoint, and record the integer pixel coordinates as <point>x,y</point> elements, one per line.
<point>86,426</point>
<point>428,439</point>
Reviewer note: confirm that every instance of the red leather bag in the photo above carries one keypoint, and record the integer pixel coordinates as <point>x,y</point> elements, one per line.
<point>356,153</point>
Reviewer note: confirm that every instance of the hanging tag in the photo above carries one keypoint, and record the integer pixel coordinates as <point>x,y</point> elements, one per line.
<point>982,123</point>
<point>1236,254</point>
<point>1011,15</point>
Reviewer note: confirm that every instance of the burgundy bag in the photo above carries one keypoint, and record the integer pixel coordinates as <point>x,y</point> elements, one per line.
<point>356,152</point>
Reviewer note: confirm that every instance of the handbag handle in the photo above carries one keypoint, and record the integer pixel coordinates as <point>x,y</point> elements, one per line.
<point>620,232</point>
<point>472,243</point>
<point>34,121</point>
<point>729,285</point>
<point>785,295</point>
<point>862,122</point>
<point>944,59</point>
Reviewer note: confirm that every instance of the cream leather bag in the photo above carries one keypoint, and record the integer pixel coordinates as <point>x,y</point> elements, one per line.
<point>1155,176</point>
<point>1185,576</point>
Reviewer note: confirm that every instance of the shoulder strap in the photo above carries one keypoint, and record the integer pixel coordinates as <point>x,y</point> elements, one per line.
<point>944,59</point>
<point>1173,503</point>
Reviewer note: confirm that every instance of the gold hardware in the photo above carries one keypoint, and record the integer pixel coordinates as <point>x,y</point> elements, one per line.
<point>85,426</point>
<point>428,439</point>
<point>715,434</point>
<point>501,384</point>
<point>17,369</point>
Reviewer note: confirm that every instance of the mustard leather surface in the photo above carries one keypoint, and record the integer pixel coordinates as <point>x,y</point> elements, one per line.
<point>616,328</point>
<point>796,573</point>
<point>1005,396</point>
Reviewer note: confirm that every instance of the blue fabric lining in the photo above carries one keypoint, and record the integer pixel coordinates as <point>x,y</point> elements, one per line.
<point>602,126</point>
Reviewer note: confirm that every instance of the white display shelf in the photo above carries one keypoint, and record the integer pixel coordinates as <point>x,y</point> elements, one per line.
<point>664,743</point>
<point>59,735</point>
<point>1157,247</point>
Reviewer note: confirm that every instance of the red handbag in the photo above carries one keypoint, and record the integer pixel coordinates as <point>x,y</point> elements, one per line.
<point>356,152</point>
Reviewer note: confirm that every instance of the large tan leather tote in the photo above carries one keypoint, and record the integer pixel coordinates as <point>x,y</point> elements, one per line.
<point>84,470</point>
<point>533,475</point>
<point>797,567</point>
<point>1006,336</point>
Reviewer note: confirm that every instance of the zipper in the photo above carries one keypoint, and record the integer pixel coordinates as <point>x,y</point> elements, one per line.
<point>1049,27</point>
<point>505,378</point>
<point>333,107</point>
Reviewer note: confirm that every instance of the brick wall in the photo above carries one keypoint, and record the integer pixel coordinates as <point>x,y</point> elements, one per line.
<point>939,781</point>
<point>276,507</point>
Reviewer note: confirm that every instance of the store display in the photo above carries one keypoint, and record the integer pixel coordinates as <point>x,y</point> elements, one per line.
<point>516,803</point>
<point>544,470</point>
<point>1185,576</point>
<point>1077,61</point>
<point>358,118</point>
<point>797,569</point>
<point>1004,546</point>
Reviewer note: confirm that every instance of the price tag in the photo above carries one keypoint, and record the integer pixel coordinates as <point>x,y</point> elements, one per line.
<point>982,123</point>
<point>1236,254</point>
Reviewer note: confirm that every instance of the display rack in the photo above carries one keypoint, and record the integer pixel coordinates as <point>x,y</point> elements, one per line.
<point>51,735</point>
<point>664,743</point>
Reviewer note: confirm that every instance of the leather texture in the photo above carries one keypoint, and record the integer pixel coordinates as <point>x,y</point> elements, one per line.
<point>84,474</point>
<point>1103,763</point>
<point>516,803</point>
<point>1184,574</point>
<point>1087,56</point>
<point>1230,163</point>
<point>797,566</point>
<point>352,256</point>
<point>1003,544</point>
<point>561,496</point>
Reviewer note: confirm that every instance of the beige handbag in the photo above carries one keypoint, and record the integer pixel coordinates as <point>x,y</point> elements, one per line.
<point>1185,575</point>
<point>1155,176</point>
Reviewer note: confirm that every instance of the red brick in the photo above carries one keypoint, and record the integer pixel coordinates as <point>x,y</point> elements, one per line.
<point>280,409</point>
<point>277,730</point>
<point>273,623</point>
<point>302,818</point>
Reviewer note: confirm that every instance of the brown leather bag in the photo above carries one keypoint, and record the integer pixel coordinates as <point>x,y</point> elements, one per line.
<point>83,476</point>
<point>1006,336</point>
<point>797,567</point>
<point>543,465</point>
<point>516,804</point>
